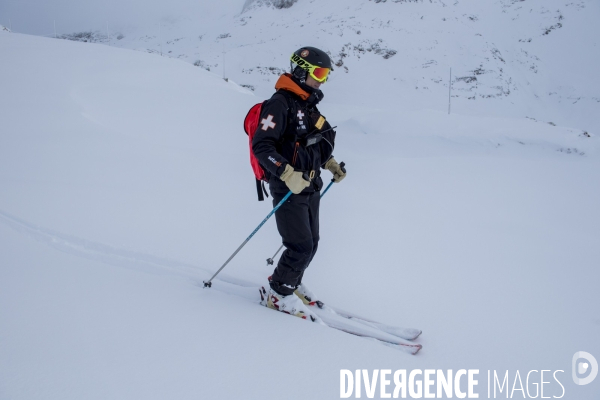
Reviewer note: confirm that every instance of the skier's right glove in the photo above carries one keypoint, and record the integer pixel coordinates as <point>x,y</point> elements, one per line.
<point>293,179</point>
<point>338,171</point>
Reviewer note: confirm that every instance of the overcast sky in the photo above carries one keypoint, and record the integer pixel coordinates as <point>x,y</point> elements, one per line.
<point>37,16</point>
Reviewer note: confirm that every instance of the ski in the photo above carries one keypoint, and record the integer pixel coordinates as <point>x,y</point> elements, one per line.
<point>404,333</point>
<point>327,316</point>
<point>361,331</point>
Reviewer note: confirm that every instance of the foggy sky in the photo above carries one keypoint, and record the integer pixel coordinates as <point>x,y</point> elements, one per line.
<point>37,17</point>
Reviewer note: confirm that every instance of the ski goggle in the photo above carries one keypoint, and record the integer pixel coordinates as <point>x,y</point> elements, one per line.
<point>319,74</point>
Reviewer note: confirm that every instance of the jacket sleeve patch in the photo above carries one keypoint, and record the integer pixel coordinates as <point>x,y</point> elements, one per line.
<point>267,123</point>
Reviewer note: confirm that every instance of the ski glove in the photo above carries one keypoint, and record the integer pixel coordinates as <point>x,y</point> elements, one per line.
<point>293,179</point>
<point>335,169</point>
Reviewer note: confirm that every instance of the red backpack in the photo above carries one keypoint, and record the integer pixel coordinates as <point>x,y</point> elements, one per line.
<point>250,124</point>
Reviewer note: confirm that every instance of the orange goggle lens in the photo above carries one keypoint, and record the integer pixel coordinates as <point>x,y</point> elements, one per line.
<point>319,74</point>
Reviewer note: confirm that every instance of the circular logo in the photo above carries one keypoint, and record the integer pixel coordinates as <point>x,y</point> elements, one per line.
<point>304,53</point>
<point>580,368</point>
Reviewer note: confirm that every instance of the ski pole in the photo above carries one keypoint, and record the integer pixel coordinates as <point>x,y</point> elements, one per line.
<point>270,260</point>
<point>209,282</point>
<point>327,188</point>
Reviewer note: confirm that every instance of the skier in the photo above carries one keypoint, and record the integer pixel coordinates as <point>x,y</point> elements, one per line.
<point>293,142</point>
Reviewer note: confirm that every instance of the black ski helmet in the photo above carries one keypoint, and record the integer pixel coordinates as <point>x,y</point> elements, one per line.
<point>310,55</point>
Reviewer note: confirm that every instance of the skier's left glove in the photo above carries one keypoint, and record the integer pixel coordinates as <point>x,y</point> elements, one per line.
<point>336,169</point>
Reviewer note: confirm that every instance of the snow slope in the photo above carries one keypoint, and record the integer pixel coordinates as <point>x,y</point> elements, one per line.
<point>124,183</point>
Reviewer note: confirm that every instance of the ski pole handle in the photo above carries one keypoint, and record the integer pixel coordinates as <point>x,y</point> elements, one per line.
<point>342,165</point>
<point>343,168</point>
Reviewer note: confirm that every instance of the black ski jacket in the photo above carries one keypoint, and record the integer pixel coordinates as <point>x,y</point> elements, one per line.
<point>286,128</point>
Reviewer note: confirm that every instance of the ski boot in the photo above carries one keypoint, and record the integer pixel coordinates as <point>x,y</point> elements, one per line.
<point>287,304</point>
<point>307,296</point>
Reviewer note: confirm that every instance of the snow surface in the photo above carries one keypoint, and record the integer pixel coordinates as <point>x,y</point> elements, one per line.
<point>124,183</point>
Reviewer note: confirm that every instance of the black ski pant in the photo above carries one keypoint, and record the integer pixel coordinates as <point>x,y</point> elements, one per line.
<point>298,224</point>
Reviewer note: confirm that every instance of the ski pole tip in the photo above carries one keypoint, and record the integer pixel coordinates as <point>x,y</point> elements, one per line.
<point>207,284</point>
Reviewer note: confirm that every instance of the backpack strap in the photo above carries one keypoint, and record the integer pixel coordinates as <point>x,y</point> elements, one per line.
<point>260,188</point>
<point>292,109</point>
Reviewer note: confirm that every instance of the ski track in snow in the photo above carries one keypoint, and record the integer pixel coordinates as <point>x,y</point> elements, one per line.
<point>144,262</point>
<point>98,251</point>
